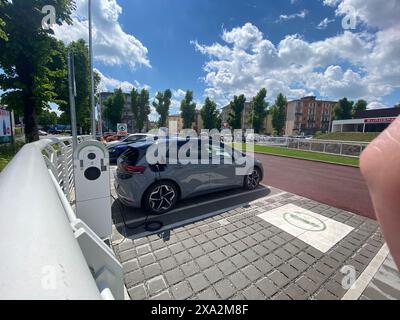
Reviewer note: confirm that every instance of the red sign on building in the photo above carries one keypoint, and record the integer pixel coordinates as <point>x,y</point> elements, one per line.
<point>379,120</point>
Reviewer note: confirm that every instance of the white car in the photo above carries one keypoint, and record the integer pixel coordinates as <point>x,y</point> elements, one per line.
<point>131,139</point>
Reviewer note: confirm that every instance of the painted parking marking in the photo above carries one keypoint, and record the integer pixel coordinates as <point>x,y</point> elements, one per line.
<point>202,203</point>
<point>367,275</point>
<point>318,231</point>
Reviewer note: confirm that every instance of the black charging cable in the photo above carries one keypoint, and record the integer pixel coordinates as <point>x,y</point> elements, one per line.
<point>149,226</point>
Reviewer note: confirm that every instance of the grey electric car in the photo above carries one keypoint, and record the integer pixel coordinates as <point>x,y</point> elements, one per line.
<point>158,185</point>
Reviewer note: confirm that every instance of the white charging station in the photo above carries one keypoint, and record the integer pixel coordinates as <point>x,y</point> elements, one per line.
<point>92,187</point>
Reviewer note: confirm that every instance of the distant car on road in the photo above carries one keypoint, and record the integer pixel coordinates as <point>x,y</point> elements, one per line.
<point>42,133</point>
<point>116,148</point>
<point>53,131</point>
<point>157,188</point>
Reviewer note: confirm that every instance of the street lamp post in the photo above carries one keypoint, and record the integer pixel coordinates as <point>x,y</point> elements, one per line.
<point>93,122</point>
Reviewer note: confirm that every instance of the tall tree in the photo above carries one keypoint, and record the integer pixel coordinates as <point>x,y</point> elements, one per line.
<point>3,35</point>
<point>188,110</point>
<point>82,79</point>
<point>361,105</point>
<point>343,109</point>
<point>47,118</point>
<point>237,107</point>
<point>279,114</point>
<point>113,107</point>
<point>80,52</point>
<point>210,115</point>
<point>135,106</point>
<point>161,104</point>
<point>64,119</point>
<point>144,109</point>
<point>26,55</point>
<point>259,110</point>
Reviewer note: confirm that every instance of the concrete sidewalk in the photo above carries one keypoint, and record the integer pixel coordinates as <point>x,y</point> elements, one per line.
<point>281,246</point>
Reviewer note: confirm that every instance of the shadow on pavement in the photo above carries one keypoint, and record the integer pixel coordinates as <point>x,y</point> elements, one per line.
<point>129,222</point>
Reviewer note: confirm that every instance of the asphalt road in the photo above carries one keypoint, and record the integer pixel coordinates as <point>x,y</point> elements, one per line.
<point>339,186</point>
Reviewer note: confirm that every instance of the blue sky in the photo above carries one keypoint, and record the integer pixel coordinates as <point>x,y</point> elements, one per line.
<point>226,47</point>
<point>166,28</point>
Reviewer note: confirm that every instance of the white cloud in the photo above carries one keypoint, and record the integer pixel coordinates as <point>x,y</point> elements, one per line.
<point>357,65</point>
<point>376,105</point>
<point>324,23</point>
<point>111,45</point>
<point>108,84</point>
<point>243,37</point>
<point>373,13</point>
<point>179,94</point>
<point>331,3</point>
<point>284,17</point>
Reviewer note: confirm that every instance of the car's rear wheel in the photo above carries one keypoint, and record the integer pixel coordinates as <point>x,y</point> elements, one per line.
<point>252,181</point>
<point>160,197</point>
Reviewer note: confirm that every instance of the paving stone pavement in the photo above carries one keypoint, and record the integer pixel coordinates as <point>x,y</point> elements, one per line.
<point>238,255</point>
<point>385,285</point>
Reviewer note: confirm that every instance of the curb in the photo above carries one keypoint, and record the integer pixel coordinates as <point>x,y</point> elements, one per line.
<point>306,159</point>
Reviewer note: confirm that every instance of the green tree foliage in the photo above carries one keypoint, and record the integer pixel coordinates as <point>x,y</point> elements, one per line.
<point>237,107</point>
<point>259,110</point>
<point>161,104</point>
<point>188,110</point>
<point>27,55</point>
<point>80,52</point>
<point>278,111</point>
<point>64,119</point>
<point>47,118</point>
<point>3,35</point>
<point>143,110</point>
<point>210,115</point>
<point>361,105</point>
<point>343,109</point>
<point>135,105</point>
<point>113,108</point>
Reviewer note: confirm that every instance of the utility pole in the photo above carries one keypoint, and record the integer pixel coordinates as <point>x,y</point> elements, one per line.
<point>72,94</point>
<point>91,72</point>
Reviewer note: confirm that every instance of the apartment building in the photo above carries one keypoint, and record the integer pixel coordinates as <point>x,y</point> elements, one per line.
<point>308,116</point>
<point>196,126</point>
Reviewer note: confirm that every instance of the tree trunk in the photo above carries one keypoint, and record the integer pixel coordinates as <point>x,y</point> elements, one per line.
<point>30,120</point>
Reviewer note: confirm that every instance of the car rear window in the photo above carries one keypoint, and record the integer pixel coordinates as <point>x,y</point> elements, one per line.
<point>130,156</point>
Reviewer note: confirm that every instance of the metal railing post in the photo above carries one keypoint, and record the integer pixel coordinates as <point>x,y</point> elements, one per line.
<point>63,245</point>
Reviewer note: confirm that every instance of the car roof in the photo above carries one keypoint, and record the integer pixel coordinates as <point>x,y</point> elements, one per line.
<point>141,134</point>
<point>141,144</point>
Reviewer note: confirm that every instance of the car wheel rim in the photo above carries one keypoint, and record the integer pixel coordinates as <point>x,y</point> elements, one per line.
<point>162,198</point>
<point>253,179</point>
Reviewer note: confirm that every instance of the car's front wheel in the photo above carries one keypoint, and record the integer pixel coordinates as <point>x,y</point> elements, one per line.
<point>252,180</point>
<point>161,197</point>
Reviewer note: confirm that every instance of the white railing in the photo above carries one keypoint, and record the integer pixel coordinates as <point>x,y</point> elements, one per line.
<point>336,147</point>
<point>46,252</point>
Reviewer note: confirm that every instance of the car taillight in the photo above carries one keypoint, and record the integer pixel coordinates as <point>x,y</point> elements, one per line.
<point>132,169</point>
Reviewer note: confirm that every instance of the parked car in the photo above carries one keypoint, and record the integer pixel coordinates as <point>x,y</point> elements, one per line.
<point>53,131</point>
<point>114,137</point>
<point>116,148</point>
<point>42,133</point>
<point>157,188</point>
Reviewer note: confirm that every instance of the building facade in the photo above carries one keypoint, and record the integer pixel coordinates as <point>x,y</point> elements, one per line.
<point>197,125</point>
<point>367,121</point>
<point>247,123</point>
<point>308,116</point>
